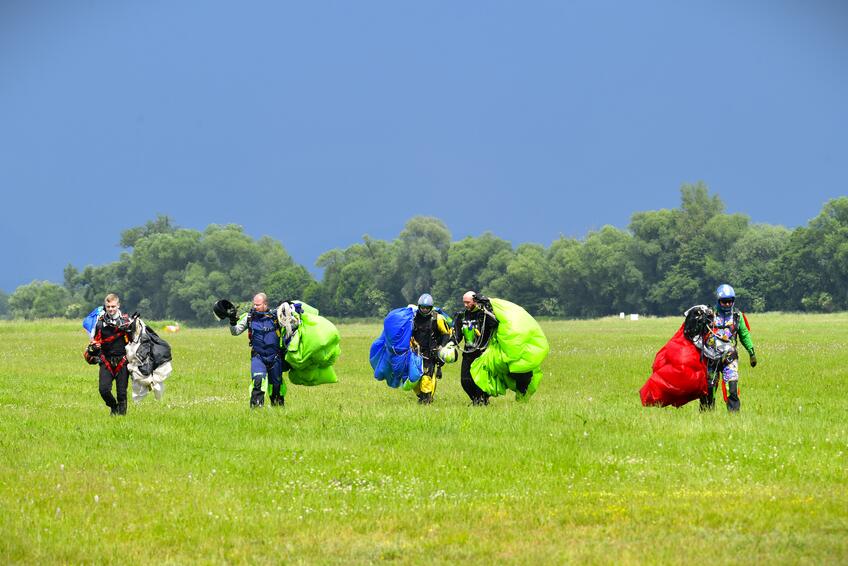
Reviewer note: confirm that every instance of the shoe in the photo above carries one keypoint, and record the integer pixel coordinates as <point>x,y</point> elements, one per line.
<point>278,401</point>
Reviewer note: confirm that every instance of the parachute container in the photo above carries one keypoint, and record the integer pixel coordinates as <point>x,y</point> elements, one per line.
<point>313,349</point>
<point>519,345</point>
<point>679,374</point>
<point>391,357</point>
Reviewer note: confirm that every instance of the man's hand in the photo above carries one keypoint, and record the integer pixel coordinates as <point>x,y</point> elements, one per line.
<point>753,360</point>
<point>233,319</point>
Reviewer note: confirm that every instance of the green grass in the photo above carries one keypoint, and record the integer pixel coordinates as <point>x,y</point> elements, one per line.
<point>358,473</point>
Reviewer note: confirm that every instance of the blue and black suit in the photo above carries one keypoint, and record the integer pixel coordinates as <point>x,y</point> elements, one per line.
<point>267,355</point>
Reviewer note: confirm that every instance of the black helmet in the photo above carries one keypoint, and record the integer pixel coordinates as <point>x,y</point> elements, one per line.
<point>224,309</point>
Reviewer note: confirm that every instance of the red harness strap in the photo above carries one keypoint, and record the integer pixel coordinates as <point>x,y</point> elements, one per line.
<point>113,370</point>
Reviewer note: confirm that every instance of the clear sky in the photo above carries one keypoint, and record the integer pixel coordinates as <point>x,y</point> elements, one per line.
<point>318,122</point>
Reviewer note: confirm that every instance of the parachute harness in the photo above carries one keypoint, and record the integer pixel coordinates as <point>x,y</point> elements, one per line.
<point>478,343</point>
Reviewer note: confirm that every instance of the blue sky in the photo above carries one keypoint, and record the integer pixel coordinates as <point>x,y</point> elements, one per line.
<point>318,122</point>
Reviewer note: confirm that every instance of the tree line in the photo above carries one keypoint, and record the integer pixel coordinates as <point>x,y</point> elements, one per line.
<point>663,262</point>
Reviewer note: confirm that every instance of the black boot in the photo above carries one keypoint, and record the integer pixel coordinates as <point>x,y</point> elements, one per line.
<point>480,401</point>
<point>278,400</point>
<point>122,408</point>
<point>733,402</point>
<point>425,398</point>
<point>708,401</point>
<point>257,396</point>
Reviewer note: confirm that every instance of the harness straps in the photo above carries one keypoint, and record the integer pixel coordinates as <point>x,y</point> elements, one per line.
<point>116,369</point>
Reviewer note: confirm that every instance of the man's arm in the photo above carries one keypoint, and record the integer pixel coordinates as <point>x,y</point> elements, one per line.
<point>456,335</point>
<point>745,338</point>
<point>745,335</point>
<point>240,325</point>
<point>444,332</point>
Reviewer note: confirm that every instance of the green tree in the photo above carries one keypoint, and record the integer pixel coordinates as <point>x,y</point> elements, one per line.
<point>813,268</point>
<point>39,299</point>
<point>752,266</point>
<point>289,282</point>
<point>4,305</point>
<point>682,253</point>
<point>360,280</point>
<point>569,275</point>
<point>161,225</point>
<point>471,264</point>
<point>421,248</point>
<point>526,279</point>
<point>598,276</point>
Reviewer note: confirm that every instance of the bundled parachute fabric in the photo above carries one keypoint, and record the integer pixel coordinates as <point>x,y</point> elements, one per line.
<point>148,361</point>
<point>679,374</point>
<point>518,346</point>
<point>391,357</point>
<point>90,322</point>
<point>312,349</point>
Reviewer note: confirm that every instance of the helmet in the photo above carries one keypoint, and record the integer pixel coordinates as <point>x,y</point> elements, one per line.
<point>223,309</point>
<point>425,300</point>
<point>448,354</point>
<point>725,296</point>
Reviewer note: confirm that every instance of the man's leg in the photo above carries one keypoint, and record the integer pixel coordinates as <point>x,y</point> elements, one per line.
<point>477,395</point>
<point>427,385</point>
<point>121,382</point>
<point>731,378</point>
<point>259,377</point>
<point>275,377</point>
<point>106,389</point>
<point>707,402</point>
<point>522,380</point>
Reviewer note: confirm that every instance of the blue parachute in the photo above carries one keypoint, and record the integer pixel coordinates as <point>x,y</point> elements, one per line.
<point>391,357</point>
<point>90,321</point>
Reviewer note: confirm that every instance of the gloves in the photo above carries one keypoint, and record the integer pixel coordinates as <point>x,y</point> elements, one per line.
<point>753,360</point>
<point>233,320</point>
<point>92,353</point>
<point>232,315</point>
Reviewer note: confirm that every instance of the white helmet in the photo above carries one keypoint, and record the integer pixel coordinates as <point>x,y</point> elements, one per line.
<point>448,354</point>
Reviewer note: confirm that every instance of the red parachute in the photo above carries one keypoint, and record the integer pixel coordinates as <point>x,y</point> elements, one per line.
<point>680,375</point>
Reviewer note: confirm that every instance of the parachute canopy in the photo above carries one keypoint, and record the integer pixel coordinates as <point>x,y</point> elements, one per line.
<point>517,346</point>
<point>313,349</point>
<point>679,374</point>
<point>90,321</point>
<point>391,357</point>
<point>148,360</point>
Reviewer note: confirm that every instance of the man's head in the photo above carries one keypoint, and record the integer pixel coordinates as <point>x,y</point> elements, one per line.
<point>469,299</point>
<point>111,304</point>
<point>260,302</point>
<point>725,297</point>
<point>425,304</point>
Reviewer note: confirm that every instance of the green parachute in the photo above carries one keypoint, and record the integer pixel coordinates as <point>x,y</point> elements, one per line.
<point>313,349</point>
<point>518,346</point>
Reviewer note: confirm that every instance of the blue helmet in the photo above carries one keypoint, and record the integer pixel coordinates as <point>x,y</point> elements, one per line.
<point>725,297</point>
<point>425,300</point>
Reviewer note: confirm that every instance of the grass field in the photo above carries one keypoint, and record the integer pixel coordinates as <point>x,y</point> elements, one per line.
<point>358,473</point>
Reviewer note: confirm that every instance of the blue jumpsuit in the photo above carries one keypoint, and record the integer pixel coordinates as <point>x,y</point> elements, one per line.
<point>267,355</point>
